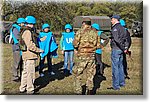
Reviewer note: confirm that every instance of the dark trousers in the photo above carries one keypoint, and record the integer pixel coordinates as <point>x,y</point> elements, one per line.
<point>99,64</point>
<point>49,61</point>
<point>17,65</point>
<point>125,64</point>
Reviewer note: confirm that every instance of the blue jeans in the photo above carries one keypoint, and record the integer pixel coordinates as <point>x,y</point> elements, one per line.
<point>117,69</point>
<point>68,55</point>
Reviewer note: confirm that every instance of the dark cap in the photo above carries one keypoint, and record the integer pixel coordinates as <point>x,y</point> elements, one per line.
<point>116,17</point>
<point>86,19</point>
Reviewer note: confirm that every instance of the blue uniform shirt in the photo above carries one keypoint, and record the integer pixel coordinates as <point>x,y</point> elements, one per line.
<point>99,51</point>
<point>48,45</point>
<point>67,43</point>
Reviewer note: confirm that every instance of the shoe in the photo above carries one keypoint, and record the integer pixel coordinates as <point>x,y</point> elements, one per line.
<point>17,80</point>
<point>51,73</point>
<point>127,77</point>
<point>70,72</point>
<point>30,92</point>
<point>41,75</point>
<point>111,88</point>
<point>122,85</point>
<point>90,92</point>
<point>66,71</point>
<point>23,91</point>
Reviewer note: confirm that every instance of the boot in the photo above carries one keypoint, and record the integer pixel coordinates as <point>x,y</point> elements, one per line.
<point>89,92</point>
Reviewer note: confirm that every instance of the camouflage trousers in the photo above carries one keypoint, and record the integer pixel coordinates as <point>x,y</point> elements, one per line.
<point>84,71</point>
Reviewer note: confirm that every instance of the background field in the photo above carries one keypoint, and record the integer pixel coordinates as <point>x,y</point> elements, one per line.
<point>61,84</point>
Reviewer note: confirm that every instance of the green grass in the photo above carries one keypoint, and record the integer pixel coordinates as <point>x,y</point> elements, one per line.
<point>60,84</point>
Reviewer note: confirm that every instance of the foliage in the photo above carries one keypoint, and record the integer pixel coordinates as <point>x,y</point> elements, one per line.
<point>58,14</point>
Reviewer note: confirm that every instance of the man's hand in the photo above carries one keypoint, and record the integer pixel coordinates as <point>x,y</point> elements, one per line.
<point>42,39</point>
<point>127,52</point>
<point>41,50</point>
<point>75,51</point>
<point>62,52</point>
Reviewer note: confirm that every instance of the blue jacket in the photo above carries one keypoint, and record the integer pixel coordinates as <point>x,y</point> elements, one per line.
<point>99,51</point>
<point>48,45</point>
<point>67,42</point>
<point>12,36</point>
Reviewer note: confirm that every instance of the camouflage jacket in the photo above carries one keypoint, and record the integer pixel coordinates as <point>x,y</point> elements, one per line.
<point>86,41</point>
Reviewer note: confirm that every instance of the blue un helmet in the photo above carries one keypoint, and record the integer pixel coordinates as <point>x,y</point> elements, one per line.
<point>96,26</point>
<point>20,20</point>
<point>122,22</point>
<point>30,20</point>
<point>68,26</point>
<point>45,26</point>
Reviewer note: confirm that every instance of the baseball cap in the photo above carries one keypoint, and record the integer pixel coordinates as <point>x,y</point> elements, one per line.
<point>116,17</point>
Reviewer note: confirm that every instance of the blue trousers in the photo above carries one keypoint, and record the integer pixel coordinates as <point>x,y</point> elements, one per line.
<point>118,79</point>
<point>68,56</point>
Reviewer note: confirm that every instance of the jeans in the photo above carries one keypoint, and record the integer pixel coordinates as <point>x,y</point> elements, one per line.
<point>68,55</point>
<point>117,69</point>
<point>49,61</point>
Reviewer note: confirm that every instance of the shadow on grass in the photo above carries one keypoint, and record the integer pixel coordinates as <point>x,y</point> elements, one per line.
<point>42,82</point>
<point>98,79</point>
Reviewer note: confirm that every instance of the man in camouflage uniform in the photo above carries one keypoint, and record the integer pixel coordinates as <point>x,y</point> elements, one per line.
<point>86,42</point>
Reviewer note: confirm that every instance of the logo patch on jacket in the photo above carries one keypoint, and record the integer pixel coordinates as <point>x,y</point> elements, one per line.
<point>115,30</point>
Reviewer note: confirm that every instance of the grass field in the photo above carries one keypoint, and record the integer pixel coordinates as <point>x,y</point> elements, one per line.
<point>60,84</point>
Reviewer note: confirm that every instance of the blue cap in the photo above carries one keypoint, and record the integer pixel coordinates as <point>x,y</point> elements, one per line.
<point>20,20</point>
<point>122,22</point>
<point>116,17</point>
<point>96,26</point>
<point>30,20</point>
<point>45,26</point>
<point>68,26</point>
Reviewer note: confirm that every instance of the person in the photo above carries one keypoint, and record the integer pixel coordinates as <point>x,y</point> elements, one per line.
<point>14,39</point>
<point>86,41</point>
<point>67,47</point>
<point>118,48</point>
<point>29,55</point>
<point>128,44</point>
<point>48,44</point>
<point>98,52</point>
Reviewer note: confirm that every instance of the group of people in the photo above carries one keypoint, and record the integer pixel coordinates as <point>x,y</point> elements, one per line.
<point>86,43</point>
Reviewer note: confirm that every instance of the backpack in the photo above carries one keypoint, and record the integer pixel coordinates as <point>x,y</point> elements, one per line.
<point>128,40</point>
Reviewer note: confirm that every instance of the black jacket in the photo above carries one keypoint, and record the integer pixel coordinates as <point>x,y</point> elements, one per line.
<point>118,37</point>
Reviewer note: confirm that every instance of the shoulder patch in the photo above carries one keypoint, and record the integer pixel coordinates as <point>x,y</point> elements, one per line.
<point>115,29</point>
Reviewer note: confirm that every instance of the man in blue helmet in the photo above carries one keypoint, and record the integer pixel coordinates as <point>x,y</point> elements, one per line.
<point>67,47</point>
<point>14,39</point>
<point>104,40</point>
<point>118,34</point>
<point>29,55</point>
<point>127,45</point>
